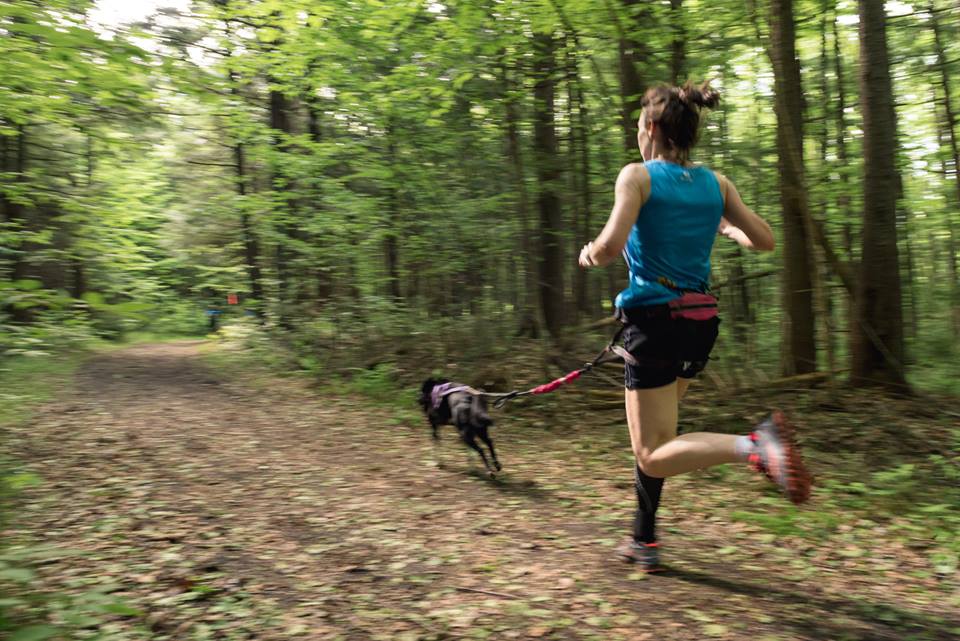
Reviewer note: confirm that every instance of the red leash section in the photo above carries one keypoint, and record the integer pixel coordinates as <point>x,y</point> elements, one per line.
<point>539,389</point>
<point>554,384</point>
<point>611,352</point>
<point>691,305</point>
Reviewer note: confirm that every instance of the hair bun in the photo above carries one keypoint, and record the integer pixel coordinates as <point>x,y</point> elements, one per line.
<point>702,96</point>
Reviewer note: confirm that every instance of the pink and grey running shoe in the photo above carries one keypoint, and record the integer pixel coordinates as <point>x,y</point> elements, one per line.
<point>646,556</point>
<point>778,457</point>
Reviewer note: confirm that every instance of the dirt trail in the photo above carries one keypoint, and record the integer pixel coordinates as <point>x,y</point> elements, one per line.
<point>227,512</point>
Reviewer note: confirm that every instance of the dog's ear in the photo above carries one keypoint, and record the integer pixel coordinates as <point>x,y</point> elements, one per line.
<point>424,398</point>
<point>427,386</point>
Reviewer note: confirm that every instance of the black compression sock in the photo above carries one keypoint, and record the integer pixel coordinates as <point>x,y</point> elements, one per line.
<point>648,500</point>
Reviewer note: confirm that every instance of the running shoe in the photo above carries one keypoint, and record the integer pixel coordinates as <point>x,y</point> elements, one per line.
<point>646,556</point>
<point>778,457</point>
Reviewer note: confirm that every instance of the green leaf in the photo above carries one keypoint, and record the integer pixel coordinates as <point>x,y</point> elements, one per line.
<point>935,509</point>
<point>93,298</point>
<point>28,285</point>
<point>35,633</point>
<point>18,482</point>
<point>17,575</point>
<point>462,79</point>
<point>120,608</point>
<point>715,630</point>
<point>131,307</point>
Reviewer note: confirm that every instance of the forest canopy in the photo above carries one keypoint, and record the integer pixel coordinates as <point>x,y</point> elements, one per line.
<point>415,178</point>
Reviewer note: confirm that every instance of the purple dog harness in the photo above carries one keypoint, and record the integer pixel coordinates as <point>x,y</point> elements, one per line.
<point>438,392</point>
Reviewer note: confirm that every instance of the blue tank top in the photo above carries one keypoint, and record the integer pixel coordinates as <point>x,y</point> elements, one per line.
<point>668,250</point>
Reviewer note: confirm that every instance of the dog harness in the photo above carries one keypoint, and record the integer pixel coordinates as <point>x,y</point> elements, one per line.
<point>439,392</point>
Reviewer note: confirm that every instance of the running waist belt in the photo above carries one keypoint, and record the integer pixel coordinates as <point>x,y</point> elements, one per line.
<point>694,306</point>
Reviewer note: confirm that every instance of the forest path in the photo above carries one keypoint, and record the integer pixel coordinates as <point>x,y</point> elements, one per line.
<point>224,510</point>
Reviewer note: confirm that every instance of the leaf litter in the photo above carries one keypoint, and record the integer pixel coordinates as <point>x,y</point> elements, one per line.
<point>271,511</point>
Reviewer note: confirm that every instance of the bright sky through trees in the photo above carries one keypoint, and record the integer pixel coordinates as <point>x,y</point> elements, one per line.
<point>113,13</point>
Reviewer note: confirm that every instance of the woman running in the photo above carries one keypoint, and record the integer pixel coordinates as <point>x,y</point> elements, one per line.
<point>666,215</point>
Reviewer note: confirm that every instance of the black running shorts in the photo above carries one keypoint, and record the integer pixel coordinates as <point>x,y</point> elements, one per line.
<point>665,348</point>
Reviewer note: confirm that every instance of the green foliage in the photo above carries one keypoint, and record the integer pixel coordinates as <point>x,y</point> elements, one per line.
<point>32,377</point>
<point>377,383</point>
<point>348,164</point>
<point>937,356</point>
<point>28,613</point>
<point>919,501</point>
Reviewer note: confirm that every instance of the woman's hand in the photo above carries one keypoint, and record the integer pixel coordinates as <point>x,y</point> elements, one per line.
<point>749,229</point>
<point>586,260</point>
<point>734,233</point>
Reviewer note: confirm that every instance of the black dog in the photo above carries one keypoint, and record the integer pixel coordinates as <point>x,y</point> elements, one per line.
<point>447,403</point>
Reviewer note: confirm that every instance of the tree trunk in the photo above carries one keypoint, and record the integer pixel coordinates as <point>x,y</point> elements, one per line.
<point>948,125</point>
<point>678,46</point>
<point>529,323</point>
<point>843,197</point>
<point>322,272</point>
<point>13,213</point>
<point>251,247</point>
<point>280,123</point>
<point>78,271</point>
<point>548,174</point>
<point>579,181</point>
<point>878,348</point>
<point>585,301</point>
<point>632,51</point>
<point>391,247</point>
<point>740,305</point>
<point>799,349</point>
<point>824,290</point>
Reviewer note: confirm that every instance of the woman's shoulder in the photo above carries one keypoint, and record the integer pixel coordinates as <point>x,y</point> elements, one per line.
<point>699,166</point>
<point>722,182</point>
<point>635,176</point>
<point>634,169</point>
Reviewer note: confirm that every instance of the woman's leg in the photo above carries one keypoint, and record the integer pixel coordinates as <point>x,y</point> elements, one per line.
<point>659,451</point>
<point>648,488</point>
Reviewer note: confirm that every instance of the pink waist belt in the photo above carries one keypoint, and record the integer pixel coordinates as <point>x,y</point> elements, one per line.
<point>694,306</point>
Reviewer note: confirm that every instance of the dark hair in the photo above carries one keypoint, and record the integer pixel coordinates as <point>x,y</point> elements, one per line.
<point>676,110</point>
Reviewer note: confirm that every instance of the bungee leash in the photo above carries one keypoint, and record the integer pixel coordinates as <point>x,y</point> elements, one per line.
<point>610,353</point>
<point>696,306</point>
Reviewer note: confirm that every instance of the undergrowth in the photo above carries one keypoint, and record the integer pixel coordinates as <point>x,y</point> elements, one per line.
<point>30,378</point>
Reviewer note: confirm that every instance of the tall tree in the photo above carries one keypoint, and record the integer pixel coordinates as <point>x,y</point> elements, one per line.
<point>947,124</point>
<point>799,351</point>
<point>281,124</point>
<point>548,174</point>
<point>632,52</point>
<point>251,241</point>
<point>678,46</point>
<point>512,83</point>
<point>878,347</point>
<point>14,214</point>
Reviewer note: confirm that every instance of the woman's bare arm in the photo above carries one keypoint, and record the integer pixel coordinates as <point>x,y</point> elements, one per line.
<point>740,223</point>
<point>632,190</point>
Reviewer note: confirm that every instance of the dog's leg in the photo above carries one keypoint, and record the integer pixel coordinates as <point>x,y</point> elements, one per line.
<point>468,438</point>
<point>435,445</point>
<point>485,437</point>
